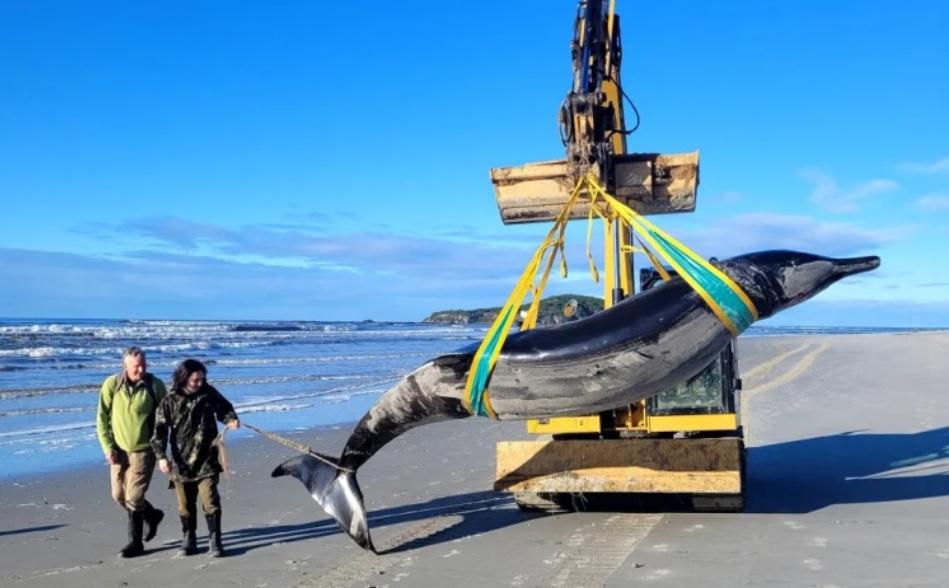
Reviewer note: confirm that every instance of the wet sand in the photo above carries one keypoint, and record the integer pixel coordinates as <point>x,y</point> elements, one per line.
<point>848,485</point>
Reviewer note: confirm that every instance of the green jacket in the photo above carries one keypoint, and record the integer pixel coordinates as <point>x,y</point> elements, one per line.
<point>126,415</point>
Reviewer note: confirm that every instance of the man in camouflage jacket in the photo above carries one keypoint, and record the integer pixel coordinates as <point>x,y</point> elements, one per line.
<point>187,421</point>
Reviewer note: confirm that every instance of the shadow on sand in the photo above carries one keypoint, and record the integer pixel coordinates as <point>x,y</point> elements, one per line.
<point>810,474</point>
<point>793,477</point>
<point>463,515</point>
<point>30,530</point>
<point>852,467</point>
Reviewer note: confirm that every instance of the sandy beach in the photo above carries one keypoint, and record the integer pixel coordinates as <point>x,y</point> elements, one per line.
<point>848,485</point>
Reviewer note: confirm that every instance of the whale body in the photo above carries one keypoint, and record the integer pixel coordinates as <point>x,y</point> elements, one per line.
<point>631,351</point>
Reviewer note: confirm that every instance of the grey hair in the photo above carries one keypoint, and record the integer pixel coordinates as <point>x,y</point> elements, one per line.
<point>133,351</point>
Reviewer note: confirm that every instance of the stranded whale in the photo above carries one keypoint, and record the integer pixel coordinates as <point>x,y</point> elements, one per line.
<point>628,352</point>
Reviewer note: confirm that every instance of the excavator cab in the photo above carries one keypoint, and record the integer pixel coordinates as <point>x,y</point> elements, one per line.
<point>713,391</point>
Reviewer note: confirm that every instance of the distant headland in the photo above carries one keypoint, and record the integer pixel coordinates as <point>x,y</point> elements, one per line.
<point>551,311</point>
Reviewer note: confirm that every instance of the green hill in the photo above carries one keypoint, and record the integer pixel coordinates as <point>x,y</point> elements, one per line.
<point>551,311</point>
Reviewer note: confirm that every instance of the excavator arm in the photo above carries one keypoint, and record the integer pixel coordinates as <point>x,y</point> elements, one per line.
<point>594,133</point>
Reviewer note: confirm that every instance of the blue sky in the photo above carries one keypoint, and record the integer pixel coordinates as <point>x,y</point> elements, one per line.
<point>305,160</point>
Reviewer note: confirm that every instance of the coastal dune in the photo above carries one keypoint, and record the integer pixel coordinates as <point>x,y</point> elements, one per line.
<point>847,486</point>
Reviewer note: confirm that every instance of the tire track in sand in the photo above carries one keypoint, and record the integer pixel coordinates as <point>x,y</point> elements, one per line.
<point>595,552</point>
<point>794,372</point>
<point>766,366</point>
<point>366,568</point>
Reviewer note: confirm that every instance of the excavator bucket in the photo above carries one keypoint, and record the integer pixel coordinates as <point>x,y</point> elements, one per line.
<point>649,183</point>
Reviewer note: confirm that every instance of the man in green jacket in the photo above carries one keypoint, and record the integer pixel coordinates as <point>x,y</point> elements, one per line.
<point>125,421</point>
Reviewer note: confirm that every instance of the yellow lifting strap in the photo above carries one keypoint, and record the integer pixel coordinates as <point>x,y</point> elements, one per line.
<point>477,399</point>
<point>725,298</point>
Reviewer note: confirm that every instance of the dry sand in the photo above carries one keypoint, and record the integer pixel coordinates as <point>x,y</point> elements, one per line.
<point>848,485</point>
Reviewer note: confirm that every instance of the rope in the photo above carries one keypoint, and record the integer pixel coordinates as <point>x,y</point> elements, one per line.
<point>224,460</point>
<point>296,447</point>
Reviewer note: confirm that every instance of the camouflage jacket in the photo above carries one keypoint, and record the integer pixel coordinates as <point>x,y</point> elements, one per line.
<point>188,423</point>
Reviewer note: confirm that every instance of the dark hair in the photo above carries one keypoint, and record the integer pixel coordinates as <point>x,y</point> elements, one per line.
<point>179,380</point>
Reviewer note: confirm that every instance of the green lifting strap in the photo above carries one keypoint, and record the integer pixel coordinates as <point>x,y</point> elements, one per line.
<point>722,295</point>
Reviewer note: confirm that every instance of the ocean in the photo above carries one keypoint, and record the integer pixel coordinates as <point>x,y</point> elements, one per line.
<point>280,376</point>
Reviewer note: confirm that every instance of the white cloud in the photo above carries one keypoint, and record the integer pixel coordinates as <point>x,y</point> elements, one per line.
<point>193,286</point>
<point>455,256</point>
<point>406,274</point>
<point>829,196</point>
<point>757,231</point>
<point>940,166</point>
<point>933,202</point>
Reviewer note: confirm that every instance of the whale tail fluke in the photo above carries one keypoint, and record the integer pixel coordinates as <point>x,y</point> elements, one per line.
<point>337,491</point>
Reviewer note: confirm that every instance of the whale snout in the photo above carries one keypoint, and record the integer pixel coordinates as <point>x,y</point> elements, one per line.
<point>855,265</point>
<point>798,276</point>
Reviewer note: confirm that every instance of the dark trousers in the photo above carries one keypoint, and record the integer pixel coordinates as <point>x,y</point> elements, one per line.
<point>188,493</point>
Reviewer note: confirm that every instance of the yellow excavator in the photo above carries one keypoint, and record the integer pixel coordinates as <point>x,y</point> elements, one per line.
<point>686,441</point>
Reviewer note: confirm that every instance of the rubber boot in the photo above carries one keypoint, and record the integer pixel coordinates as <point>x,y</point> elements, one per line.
<point>214,534</point>
<point>135,546</point>
<point>153,517</point>
<point>189,543</point>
